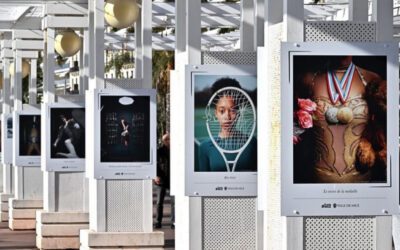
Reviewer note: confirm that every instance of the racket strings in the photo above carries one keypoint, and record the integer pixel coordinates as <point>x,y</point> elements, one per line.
<point>242,120</point>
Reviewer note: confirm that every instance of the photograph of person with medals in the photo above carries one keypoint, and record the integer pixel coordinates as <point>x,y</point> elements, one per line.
<point>339,120</point>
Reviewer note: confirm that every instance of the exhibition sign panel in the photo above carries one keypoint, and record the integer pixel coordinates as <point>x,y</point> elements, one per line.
<point>27,141</point>
<point>125,139</point>
<point>340,125</point>
<point>221,135</point>
<point>64,133</point>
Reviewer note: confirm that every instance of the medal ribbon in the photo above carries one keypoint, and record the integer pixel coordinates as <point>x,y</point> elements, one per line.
<point>340,89</point>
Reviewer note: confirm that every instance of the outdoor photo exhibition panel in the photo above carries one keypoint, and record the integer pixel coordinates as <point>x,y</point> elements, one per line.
<point>64,130</point>
<point>27,142</point>
<point>125,125</point>
<point>221,136</point>
<point>340,129</point>
<point>6,138</point>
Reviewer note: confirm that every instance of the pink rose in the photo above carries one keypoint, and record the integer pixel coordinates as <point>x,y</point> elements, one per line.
<point>296,139</point>
<point>305,119</point>
<point>307,105</point>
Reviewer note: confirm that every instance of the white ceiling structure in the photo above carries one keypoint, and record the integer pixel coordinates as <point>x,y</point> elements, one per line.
<point>26,14</point>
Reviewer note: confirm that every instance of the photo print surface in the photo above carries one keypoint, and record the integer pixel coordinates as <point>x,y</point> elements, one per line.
<point>67,127</point>
<point>29,135</point>
<point>125,128</point>
<point>9,125</point>
<point>225,138</point>
<point>340,116</point>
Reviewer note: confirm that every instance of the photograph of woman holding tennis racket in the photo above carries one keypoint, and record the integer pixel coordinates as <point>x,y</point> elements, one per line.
<point>225,130</point>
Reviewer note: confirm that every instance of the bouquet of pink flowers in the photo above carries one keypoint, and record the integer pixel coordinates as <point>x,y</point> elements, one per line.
<point>303,118</point>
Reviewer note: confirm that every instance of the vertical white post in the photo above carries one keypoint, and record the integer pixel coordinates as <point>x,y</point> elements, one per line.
<point>358,10</point>
<point>247,24</point>
<point>293,32</point>
<point>6,86</point>
<point>48,81</point>
<point>259,23</point>
<point>178,141</point>
<point>99,42</point>
<point>293,18</point>
<point>382,14</point>
<point>193,31</point>
<point>147,44</point>
<point>138,48</point>
<point>18,80</point>
<point>7,171</point>
<point>33,82</point>
<point>193,49</point>
<point>19,185</point>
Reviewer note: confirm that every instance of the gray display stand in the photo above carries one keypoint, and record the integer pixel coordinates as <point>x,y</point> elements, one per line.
<point>120,210</point>
<point>7,169</point>
<point>213,221</point>
<point>340,232</point>
<point>65,194</point>
<point>28,179</point>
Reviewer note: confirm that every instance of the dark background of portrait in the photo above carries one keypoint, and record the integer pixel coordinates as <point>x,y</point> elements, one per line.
<point>55,122</point>
<point>138,117</point>
<point>25,126</point>
<point>304,151</point>
<point>9,128</point>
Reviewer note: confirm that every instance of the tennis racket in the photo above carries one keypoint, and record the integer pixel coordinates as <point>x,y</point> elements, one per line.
<point>240,127</point>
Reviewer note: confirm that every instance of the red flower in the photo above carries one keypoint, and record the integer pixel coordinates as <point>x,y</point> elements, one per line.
<point>307,105</point>
<point>305,119</point>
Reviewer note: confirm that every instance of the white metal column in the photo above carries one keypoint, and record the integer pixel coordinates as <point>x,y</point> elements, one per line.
<point>107,203</point>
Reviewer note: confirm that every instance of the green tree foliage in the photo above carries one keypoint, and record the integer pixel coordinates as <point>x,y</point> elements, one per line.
<point>163,62</point>
<point>117,62</point>
<point>39,83</point>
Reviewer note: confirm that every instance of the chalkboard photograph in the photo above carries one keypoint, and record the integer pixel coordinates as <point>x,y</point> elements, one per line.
<point>67,132</point>
<point>29,135</point>
<point>125,128</point>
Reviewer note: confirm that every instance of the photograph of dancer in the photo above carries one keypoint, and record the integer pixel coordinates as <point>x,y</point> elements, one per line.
<point>29,135</point>
<point>67,132</point>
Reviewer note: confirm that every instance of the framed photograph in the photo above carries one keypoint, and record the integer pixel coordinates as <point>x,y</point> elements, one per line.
<point>221,132</point>
<point>6,138</point>
<point>125,134</point>
<point>27,139</point>
<point>339,148</point>
<point>64,133</point>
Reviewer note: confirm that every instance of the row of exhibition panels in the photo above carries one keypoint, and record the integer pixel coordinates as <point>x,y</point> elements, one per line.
<point>320,168</point>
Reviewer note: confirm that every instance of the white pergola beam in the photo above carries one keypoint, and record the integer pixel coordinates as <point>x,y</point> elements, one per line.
<point>29,54</point>
<point>7,53</point>
<point>28,45</point>
<point>217,9</point>
<point>66,9</point>
<point>27,34</point>
<point>6,44</point>
<point>24,23</point>
<point>62,21</point>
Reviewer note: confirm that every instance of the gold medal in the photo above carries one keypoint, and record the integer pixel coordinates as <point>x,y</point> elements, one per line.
<point>345,115</point>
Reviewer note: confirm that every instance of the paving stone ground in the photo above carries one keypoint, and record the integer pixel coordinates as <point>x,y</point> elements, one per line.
<point>25,240</point>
